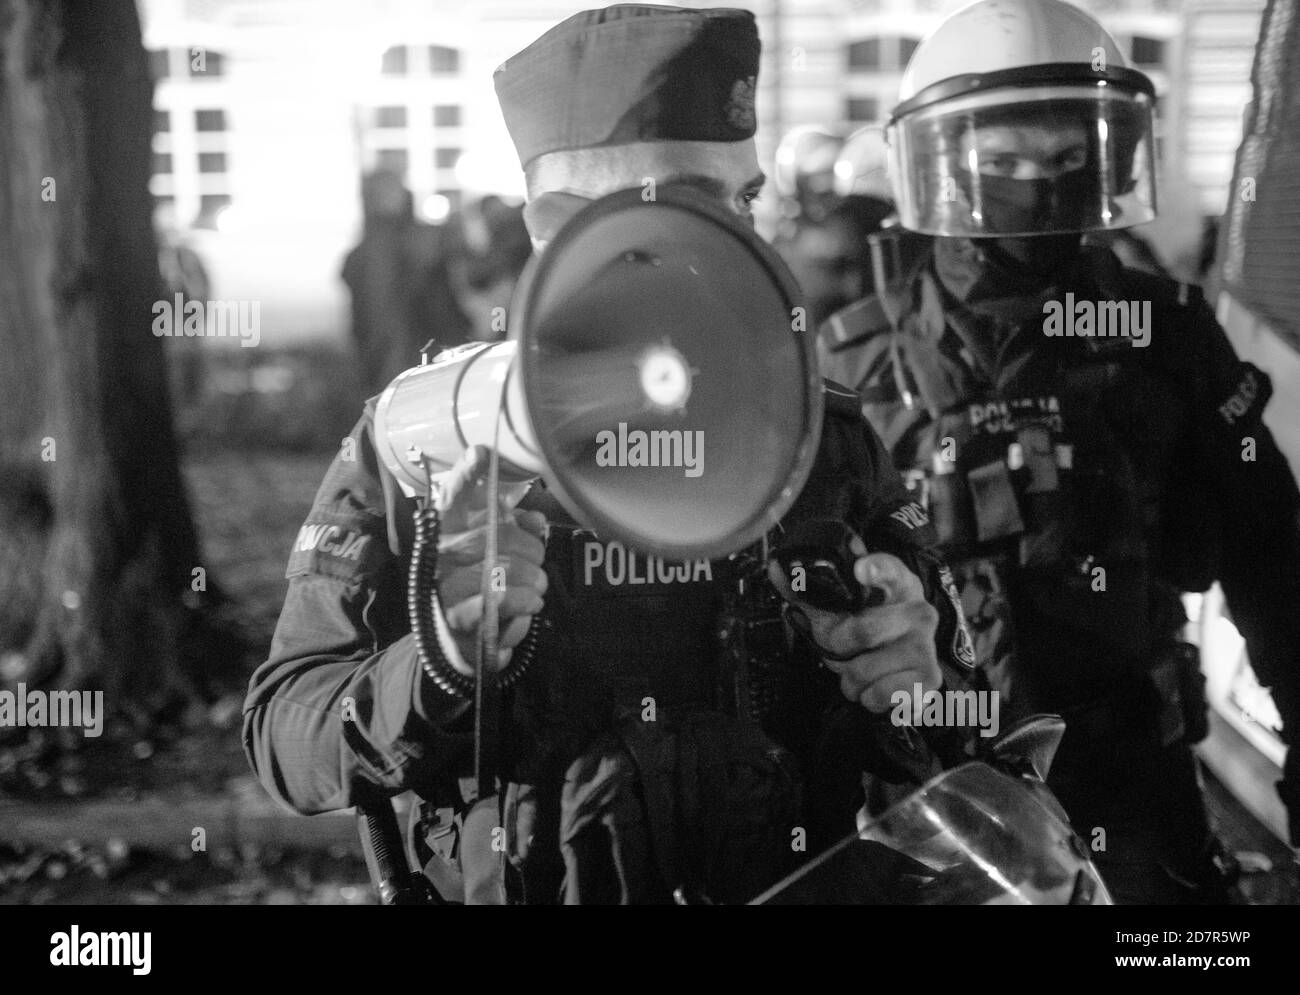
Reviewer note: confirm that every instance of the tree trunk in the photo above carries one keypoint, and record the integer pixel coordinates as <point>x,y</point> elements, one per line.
<point>97,545</point>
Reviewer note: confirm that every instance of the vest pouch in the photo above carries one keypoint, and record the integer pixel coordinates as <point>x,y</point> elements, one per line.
<point>994,503</point>
<point>948,501</point>
<point>695,810</point>
<point>1038,458</point>
<point>1049,538</point>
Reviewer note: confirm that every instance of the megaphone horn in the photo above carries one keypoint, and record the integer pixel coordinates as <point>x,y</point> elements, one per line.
<point>656,378</point>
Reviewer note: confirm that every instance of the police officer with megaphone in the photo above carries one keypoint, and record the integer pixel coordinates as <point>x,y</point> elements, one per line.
<point>675,734</point>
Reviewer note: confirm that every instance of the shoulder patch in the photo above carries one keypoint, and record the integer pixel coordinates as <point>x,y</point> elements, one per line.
<point>963,647</point>
<point>344,546</point>
<point>1247,398</point>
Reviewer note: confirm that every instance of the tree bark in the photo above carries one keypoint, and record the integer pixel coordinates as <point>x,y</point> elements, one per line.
<point>97,545</point>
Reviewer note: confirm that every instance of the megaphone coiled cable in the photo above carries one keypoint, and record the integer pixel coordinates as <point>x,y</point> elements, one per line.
<point>424,605</point>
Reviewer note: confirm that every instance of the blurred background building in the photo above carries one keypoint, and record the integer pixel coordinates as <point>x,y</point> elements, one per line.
<point>269,111</point>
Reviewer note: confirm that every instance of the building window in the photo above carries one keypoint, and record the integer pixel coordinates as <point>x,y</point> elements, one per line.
<point>881,54</point>
<point>162,162</point>
<point>862,109</point>
<point>158,64</point>
<point>391,160</point>
<point>865,54</point>
<point>445,158</point>
<point>210,120</point>
<point>446,116</point>
<point>443,60</point>
<point>204,62</point>
<point>395,61</point>
<point>390,117</point>
<point>1148,51</point>
<point>209,205</point>
<point>162,120</point>
<point>212,162</point>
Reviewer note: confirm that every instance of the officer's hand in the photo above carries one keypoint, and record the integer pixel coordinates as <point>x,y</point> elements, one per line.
<point>521,548</point>
<point>890,646</point>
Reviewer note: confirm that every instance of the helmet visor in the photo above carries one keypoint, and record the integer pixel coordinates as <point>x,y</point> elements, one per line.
<point>1025,161</point>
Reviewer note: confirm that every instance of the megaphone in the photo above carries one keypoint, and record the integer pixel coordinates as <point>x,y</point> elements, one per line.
<point>659,376</point>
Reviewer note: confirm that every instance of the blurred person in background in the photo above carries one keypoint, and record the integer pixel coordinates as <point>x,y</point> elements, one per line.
<point>412,283</point>
<point>392,275</point>
<point>831,257</point>
<point>486,252</point>
<point>834,197</point>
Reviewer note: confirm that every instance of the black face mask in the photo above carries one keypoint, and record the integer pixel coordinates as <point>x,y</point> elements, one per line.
<point>1057,205</point>
<point>1007,276</point>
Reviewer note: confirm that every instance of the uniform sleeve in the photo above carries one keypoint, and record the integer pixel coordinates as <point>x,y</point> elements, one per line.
<point>857,483</point>
<point>1257,511</point>
<point>890,521</point>
<point>342,705</point>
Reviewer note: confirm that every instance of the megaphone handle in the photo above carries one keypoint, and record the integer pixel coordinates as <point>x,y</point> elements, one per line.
<point>423,607</point>
<point>487,690</point>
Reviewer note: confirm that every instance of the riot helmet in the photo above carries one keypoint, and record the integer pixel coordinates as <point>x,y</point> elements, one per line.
<point>1021,117</point>
<point>860,166</point>
<point>805,171</point>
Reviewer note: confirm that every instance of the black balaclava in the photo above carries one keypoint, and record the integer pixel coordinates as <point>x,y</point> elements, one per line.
<point>997,288</point>
<point>1004,276</point>
<point>1057,204</point>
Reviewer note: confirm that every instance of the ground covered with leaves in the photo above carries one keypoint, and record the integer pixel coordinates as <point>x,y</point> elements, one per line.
<point>114,873</point>
<point>248,507</point>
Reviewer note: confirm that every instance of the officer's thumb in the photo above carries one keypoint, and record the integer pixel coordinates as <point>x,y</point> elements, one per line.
<point>460,489</point>
<point>890,575</point>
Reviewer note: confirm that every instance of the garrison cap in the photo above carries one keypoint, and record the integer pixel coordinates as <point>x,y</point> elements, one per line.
<point>632,73</point>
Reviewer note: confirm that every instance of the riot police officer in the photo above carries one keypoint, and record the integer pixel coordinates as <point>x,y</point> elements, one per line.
<point>833,196</point>
<point>1082,434</point>
<point>600,102</point>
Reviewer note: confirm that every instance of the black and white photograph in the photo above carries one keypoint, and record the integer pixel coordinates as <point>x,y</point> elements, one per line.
<point>501,452</point>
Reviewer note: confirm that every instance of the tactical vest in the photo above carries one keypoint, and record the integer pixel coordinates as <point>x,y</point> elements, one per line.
<point>627,632</point>
<point>699,651</point>
<point>1048,482</point>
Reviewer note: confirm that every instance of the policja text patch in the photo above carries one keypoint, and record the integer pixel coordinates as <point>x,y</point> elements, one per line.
<point>337,545</point>
<point>612,568</point>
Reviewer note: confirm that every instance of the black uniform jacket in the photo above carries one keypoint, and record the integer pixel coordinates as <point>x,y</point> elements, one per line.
<point>1208,496</point>
<point>621,627</point>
